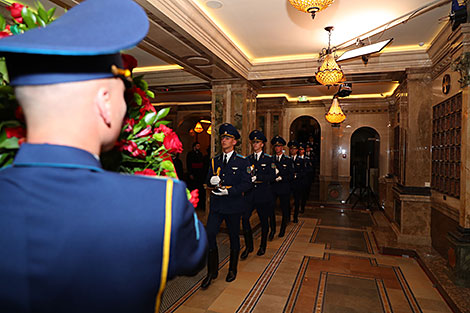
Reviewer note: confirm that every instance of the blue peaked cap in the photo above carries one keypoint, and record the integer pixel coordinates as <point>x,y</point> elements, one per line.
<point>293,144</point>
<point>257,135</point>
<point>278,141</point>
<point>83,44</point>
<point>227,129</point>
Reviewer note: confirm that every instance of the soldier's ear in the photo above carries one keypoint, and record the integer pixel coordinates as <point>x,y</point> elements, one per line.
<point>103,104</point>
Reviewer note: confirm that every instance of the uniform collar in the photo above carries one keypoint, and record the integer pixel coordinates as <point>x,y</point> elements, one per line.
<point>46,153</point>
<point>229,155</point>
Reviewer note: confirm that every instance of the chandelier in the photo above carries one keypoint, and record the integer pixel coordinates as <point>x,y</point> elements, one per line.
<point>335,115</point>
<point>329,73</point>
<point>311,6</point>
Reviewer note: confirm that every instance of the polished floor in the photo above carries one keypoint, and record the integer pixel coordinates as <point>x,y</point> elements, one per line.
<point>327,263</point>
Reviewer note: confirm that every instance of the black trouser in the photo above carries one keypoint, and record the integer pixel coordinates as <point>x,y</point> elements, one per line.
<point>297,198</point>
<point>264,210</point>
<point>233,224</point>
<point>285,207</point>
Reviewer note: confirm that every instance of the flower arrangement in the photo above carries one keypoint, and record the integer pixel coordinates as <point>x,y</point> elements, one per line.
<point>146,144</point>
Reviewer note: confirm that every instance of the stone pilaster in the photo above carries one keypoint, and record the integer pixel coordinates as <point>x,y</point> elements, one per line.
<point>411,194</point>
<point>233,102</point>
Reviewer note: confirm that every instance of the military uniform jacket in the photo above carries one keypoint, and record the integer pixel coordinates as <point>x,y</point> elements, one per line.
<point>299,171</point>
<point>286,171</point>
<point>75,238</point>
<point>236,176</point>
<point>308,169</point>
<point>264,170</point>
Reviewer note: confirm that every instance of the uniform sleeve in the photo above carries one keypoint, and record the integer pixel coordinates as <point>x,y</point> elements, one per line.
<point>245,180</point>
<point>189,240</point>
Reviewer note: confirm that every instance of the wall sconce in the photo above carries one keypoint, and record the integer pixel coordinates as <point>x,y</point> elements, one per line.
<point>209,130</point>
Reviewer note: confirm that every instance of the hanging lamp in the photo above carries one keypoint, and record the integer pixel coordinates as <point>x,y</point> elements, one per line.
<point>329,73</point>
<point>335,115</point>
<point>198,128</point>
<point>311,6</point>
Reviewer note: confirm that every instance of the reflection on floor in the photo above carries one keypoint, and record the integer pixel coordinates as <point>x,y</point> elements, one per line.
<point>326,263</point>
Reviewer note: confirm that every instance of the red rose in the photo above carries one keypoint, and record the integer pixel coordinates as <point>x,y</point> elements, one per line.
<point>129,61</point>
<point>172,143</point>
<point>163,129</point>
<point>145,132</point>
<point>146,172</point>
<point>15,10</point>
<point>19,113</point>
<point>194,197</point>
<point>19,20</point>
<point>18,132</point>
<point>4,34</point>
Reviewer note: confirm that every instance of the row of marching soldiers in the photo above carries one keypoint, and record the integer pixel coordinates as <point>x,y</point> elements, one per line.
<point>239,185</point>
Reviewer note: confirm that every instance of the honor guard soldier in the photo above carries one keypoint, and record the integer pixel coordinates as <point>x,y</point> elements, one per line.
<point>230,177</point>
<point>284,175</point>
<point>262,175</point>
<point>307,178</point>
<point>299,173</point>
<point>74,237</point>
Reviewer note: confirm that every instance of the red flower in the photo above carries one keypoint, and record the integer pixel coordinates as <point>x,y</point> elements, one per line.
<point>146,172</point>
<point>163,129</point>
<point>19,20</point>
<point>130,122</point>
<point>18,132</point>
<point>172,143</point>
<point>19,113</point>
<point>145,132</point>
<point>4,34</point>
<point>15,10</point>
<point>194,197</point>
<point>129,61</point>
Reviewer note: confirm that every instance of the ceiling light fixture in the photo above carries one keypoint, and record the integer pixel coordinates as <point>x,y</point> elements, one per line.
<point>311,6</point>
<point>214,4</point>
<point>329,73</point>
<point>335,115</point>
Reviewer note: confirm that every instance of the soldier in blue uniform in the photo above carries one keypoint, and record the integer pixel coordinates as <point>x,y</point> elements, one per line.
<point>262,175</point>
<point>230,177</point>
<point>284,175</point>
<point>73,237</point>
<point>307,178</point>
<point>299,174</point>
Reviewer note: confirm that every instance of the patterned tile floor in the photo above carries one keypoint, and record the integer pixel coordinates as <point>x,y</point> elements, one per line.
<point>326,263</point>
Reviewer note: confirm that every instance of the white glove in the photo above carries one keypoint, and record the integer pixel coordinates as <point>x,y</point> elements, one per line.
<point>215,180</point>
<point>277,171</point>
<point>220,192</point>
<point>279,178</point>
<point>253,179</point>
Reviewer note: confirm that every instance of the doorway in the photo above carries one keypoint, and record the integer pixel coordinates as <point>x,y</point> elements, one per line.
<point>306,129</point>
<point>364,163</point>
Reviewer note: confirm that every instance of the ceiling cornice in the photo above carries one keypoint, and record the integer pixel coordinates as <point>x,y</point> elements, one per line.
<point>189,18</point>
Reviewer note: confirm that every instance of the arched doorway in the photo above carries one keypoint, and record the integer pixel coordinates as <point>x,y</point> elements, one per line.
<point>364,166</point>
<point>307,129</point>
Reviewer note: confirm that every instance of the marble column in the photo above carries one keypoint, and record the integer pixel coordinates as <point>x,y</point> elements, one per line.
<point>412,205</point>
<point>233,102</point>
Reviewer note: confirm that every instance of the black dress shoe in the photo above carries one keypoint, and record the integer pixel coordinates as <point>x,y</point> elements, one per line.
<point>245,254</point>
<point>281,234</point>
<point>261,251</point>
<point>296,220</point>
<point>208,280</point>
<point>231,276</point>
<point>271,235</point>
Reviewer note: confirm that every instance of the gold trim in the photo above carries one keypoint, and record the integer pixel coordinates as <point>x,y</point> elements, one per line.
<point>166,242</point>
